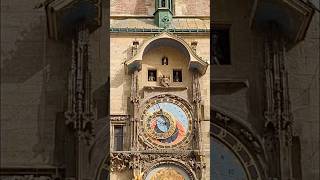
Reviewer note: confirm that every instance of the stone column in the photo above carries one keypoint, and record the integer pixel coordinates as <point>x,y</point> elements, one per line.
<point>79,114</point>
<point>278,113</point>
<point>196,96</point>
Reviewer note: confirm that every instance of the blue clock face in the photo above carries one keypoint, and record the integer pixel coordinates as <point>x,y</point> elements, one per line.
<point>167,122</point>
<point>163,123</point>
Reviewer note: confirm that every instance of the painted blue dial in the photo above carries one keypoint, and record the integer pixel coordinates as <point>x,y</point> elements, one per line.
<point>174,109</point>
<point>167,121</point>
<point>163,124</point>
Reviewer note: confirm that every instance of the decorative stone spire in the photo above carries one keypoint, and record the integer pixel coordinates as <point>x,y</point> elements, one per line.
<point>164,13</point>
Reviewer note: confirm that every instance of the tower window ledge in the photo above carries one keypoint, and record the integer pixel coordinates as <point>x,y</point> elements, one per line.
<point>162,88</point>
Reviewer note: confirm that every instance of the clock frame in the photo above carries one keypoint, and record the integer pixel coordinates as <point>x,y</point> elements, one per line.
<point>166,122</point>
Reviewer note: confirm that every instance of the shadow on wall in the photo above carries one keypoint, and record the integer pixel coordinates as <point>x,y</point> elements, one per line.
<point>32,55</point>
<point>38,67</point>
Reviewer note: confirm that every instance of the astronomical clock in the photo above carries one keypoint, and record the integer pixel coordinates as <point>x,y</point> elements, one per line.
<point>166,122</point>
<point>163,134</point>
<point>161,138</point>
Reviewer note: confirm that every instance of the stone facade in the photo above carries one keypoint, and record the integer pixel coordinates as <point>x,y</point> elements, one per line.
<point>234,113</point>
<point>303,73</point>
<point>147,7</point>
<point>35,143</point>
<point>239,89</point>
<point>133,54</point>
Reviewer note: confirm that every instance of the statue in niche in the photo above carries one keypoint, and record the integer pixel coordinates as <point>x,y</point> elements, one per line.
<point>165,61</point>
<point>165,81</point>
<point>151,76</point>
<point>177,76</point>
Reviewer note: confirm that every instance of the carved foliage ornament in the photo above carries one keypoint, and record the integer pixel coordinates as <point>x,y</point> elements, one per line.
<point>125,160</point>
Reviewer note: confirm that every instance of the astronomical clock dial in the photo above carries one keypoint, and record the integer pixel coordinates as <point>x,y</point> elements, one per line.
<point>166,122</point>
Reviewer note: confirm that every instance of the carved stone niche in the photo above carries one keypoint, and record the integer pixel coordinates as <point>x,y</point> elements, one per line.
<point>174,75</point>
<point>194,61</point>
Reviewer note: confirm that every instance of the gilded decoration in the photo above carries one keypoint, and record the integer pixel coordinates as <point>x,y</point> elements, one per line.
<point>167,174</point>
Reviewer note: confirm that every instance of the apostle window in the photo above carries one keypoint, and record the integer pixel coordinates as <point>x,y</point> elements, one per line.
<point>220,43</point>
<point>177,75</point>
<point>152,75</point>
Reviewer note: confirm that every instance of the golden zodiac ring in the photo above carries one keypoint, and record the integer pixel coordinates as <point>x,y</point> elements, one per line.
<point>161,135</point>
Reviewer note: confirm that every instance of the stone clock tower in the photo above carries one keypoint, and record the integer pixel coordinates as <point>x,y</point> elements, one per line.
<point>160,120</point>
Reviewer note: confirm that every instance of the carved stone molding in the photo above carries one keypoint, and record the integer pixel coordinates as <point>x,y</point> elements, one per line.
<point>79,114</point>
<point>190,161</point>
<point>119,161</point>
<point>119,118</point>
<point>26,173</point>
<point>253,159</point>
<point>195,62</point>
<point>26,177</point>
<point>241,131</point>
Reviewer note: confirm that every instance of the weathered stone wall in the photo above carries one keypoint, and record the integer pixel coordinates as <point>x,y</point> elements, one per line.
<point>33,79</point>
<point>303,71</point>
<point>120,80</point>
<point>244,102</point>
<point>147,7</point>
<point>302,64</point>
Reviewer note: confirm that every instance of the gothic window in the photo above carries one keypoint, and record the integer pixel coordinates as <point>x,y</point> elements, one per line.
<point>177,76</point>
<point>118,138</point>
<point>220,43</point>
<point>152,75</point>
<point>165,4</point>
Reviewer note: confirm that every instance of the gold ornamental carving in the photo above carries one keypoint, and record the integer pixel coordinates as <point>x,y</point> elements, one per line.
<point>167,174</point>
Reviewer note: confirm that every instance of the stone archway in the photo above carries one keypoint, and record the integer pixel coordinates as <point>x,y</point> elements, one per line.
<point>195,62</point>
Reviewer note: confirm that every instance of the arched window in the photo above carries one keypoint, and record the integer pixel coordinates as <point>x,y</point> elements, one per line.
<point>164,4</point>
